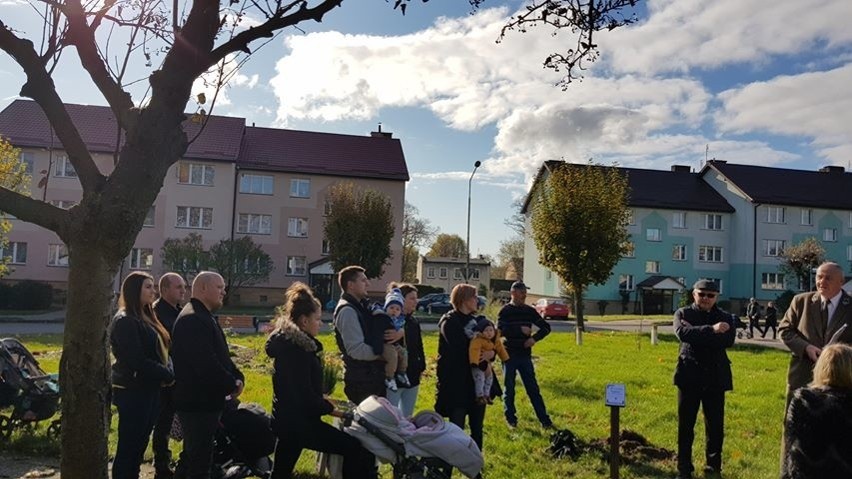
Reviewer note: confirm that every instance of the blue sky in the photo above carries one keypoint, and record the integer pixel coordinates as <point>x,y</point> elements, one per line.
<point>764,82</point>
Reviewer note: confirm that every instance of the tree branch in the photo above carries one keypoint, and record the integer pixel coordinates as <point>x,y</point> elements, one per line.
<point>37,212</point>
<point>40,87</point>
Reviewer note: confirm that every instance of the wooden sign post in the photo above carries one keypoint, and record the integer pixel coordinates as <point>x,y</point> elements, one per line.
<point>615,399</point>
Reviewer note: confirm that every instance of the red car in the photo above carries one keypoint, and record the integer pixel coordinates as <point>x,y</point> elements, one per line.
<point>552,308</point>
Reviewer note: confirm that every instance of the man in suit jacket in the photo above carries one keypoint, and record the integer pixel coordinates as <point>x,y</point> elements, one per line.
<point>812,321</point>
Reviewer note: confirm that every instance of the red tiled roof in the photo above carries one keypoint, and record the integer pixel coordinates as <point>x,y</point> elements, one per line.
<point>23,123</point>
<point>323,154</point>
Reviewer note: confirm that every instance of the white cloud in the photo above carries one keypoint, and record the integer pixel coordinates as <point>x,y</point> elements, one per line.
<point>207,82</point>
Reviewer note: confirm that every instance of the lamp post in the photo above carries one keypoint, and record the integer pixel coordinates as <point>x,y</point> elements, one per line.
<point>467,244</point>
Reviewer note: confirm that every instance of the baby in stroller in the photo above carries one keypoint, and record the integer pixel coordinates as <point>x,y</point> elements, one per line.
<point>32,394</point>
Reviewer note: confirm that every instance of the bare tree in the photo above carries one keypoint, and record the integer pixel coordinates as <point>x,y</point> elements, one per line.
<point>416,232</point>
<point>517,221</point>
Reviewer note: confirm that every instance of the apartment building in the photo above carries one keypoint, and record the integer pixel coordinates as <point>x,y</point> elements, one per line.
<point>442,272</point>
<point>234,180</point>
<point>728,222</point>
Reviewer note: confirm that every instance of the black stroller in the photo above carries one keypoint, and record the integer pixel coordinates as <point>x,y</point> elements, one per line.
<point>32,394</point>
<point>244,442</point>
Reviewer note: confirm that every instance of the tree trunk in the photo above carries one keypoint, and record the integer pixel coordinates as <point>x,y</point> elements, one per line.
<point>578,307</point>
<point>84,368</point>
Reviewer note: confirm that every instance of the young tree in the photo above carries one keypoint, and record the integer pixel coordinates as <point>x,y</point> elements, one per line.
<point>579,218</point>
<point>448,246</point>
<point>188,40</point>
<point>359,228</point>
<point>512,253</point>
<point>799,260</point>
<point>13,175</point>
<point>185,256</point>
<point>416,231</point>
<point>241,262</point>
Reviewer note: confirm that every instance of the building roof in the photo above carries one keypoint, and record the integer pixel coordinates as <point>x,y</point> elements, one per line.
<point>375,156</point>
<point>442,259</point>
<point>24,124</point>
<point>828,188</point>
<point>660,282</point>
<point>659,189</point>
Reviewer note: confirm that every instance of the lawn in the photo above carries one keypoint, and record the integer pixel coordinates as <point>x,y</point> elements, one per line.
<point>572,379</point>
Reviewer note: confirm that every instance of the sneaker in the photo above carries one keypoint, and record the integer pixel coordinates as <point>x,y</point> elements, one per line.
<point>391,384</point>
<point>402,380</point>
<point>481,400</point>
<point>512,423</point>
<point>548,425</point>
<point>489,400</point>
<point>164,473</point>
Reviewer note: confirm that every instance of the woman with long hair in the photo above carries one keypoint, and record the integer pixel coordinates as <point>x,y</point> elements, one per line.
<point>298,401</point>
<point>406,397</point>
<point>140,345</point>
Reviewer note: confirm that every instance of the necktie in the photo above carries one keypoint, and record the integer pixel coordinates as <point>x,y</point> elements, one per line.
<point>824,312</point>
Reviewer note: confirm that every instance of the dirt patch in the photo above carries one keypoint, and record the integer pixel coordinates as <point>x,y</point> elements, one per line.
<point>634,447</point>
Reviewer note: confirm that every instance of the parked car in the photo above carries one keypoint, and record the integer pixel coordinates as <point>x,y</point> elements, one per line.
<point>551,308</point>
<point>424,301</point>
<point>444,305</point>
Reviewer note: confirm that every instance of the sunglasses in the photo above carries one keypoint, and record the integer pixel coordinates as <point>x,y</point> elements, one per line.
<point>707,295</point>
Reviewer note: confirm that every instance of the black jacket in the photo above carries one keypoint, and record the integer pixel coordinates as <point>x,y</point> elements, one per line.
<point>204,371</point>
<point>167,314</point>
<point>816,435</point>
<point>511,319</point>
<point>703,362</point>
<point>455,383</point>
<point>297,400</point>
<point>135,345</point>
<point>414,345</point>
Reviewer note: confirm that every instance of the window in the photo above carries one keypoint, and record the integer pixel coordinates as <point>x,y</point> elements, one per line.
<point>679,252</point>
<point>300,188</point>
<point>442,272</point>
<point>325,249</point>
<point>625,282</point>
<point>630,250</point>
<point>773,247</point>
<point>775,214</point>
<point>430,272</point>
<point>679,219</point>
<point>474,273</point>
<point>296,265</point>
<point>196,174</point>
<point>194,217</point>
<point>256,184</point>
<point>631,220</point>
<point>149,217</point>
<point>548,275</point>
<point>772,281</point>
<point>14,253</point>
<point>255,224</point>
<point>652,266</point>
<point>710,254</point>
<point>63,168</point>
<point>141,258</point>
<point>57,255</point>
<point>849,252</point>
<point>64,204</point>
<point>653,234</point>
<point>28,159</point>
<point>807,216</point>
<point>712,221</point>
<point>297,227</point>
<point>718,282</point>
<point>829,234</point>
<point>457,273</point>
<point>261,298</point>
<point>254,265</point>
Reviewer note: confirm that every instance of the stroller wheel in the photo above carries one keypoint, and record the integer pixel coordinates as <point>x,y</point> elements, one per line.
<point>55,429</point>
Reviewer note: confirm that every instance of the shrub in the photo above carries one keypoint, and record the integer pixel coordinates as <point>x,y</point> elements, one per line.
<point>26,295</point>
<point>782,302</point>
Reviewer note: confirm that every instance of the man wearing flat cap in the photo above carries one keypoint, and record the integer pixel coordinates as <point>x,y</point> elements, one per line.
<point>702,375</point>
<point>515,322</point>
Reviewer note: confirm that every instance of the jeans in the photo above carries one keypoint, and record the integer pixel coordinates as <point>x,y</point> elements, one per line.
<point>404,399</point>
<point>524,366</point>
<point>199,429</point>
<point>160,439</point>
<point>137,412</point>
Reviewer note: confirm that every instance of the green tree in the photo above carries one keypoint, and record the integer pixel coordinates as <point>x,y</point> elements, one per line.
<point>799,260</point>
<point>579,220</point>
<point>185,256</point>
<point>416,231</point>
<point>13,175</point>
<point>241,262</point>
<point>448,246</point>
<point>511,252</point>
<point>359,228</point>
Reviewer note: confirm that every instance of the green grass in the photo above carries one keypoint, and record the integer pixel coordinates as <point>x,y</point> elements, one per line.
<point>572,380</point>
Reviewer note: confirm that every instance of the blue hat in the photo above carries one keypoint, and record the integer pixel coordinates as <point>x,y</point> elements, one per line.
<point>394,297</point>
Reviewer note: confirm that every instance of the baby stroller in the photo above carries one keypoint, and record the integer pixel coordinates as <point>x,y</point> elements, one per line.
<point>420,448</point>
<point>741,327</point>
<point>32,394</point>
<point>244,442</point>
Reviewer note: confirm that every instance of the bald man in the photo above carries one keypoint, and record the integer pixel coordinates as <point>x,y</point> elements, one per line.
<point>204,374</point>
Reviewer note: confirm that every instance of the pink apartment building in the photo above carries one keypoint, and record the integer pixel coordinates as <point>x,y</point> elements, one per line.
<point>234,180</point>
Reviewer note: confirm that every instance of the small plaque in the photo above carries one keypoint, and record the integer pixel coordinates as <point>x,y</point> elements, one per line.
<point>615,395</point>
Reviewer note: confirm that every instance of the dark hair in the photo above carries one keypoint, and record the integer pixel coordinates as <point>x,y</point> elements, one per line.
<point>130,302</point>
<point>404,288</point>
<point>348,275</point>
<point>299,301</point>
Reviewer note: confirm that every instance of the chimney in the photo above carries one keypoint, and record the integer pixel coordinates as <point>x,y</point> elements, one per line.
<point>380,133</point>
<point>681,168</point>
<point>832,169</point>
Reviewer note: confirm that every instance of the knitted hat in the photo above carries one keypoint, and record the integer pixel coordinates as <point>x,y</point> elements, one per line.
<point>394,297</point>
<point>481,323</point>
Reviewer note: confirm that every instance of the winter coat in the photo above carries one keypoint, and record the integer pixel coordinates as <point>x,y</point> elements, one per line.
<point>703,362</point>
<point>455,383</point>
<point>480,344</point>
<point>416,356</point>
<point>297,400</point>
<point>816,434</point>
<point>139,363</point>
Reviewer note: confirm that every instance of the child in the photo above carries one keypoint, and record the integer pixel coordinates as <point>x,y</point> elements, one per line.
<point>395,354</point>
<point>486,339</point>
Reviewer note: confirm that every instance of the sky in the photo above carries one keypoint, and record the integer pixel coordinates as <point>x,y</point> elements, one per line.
<point>764,82</point>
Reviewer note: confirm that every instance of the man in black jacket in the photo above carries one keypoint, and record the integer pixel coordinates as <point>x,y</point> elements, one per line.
<point>702,375</point>
<point>172,290</point>
<point>515,322</point>
<point>204,374</point>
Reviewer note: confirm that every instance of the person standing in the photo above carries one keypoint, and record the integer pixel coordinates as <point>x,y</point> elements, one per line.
<point>140,345</point>
<point>204,374</point>
<point>405,398</point>
<point>172,291</point>
<point>515,322</point>
<point>753,314</point>
<point>771,320</point>
<point>702,375</point>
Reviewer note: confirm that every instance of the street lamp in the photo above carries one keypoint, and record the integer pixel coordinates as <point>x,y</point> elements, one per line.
<point>467,245</point>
